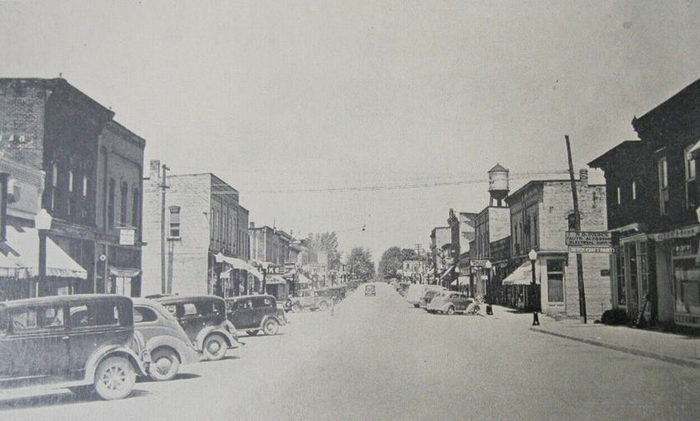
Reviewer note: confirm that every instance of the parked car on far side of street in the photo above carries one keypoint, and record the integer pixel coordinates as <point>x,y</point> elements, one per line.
<point>79,342</point>
<point>311,299</point>
<point>165,339</point>
<point>254,313</point>
<point>203,318</point>
<point>370,290</point>
<point>449,302</point>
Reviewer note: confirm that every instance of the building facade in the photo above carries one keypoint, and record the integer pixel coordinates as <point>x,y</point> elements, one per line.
<point>540,215</point>
<point>50,125</point>
<point>203,218</point>
<point>652,206</point>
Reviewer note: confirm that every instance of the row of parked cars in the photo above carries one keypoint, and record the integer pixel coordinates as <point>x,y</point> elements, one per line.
<point>102,343</point>
<point>437,299</point>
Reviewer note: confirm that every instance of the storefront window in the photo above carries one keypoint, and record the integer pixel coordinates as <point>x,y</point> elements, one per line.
<point>620,270</point>
<point>555,281</point>
<point>687,286</point>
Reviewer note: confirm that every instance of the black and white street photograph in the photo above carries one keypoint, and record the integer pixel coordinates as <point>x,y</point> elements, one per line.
<point>349,210</point>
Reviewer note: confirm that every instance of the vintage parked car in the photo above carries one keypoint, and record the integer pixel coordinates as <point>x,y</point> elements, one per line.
<point>203,319</point>
<point>417,291</point>
<point>337,293</point>
<point>79,342</point>
<point>449,302</point>
<point>312,300</point>
<point>370,290</point>
<point>428,296</point>
<point>165,339</point>
<point>253,313</point>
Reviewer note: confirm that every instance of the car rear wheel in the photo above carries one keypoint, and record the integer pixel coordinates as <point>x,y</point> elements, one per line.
<point>296,308</point>
<point>252,332</point>
<point>323,306</point>
<point>271,327</point>
<point>451,310</point>
<point>214,347</point>
<point>164,364</point>
<point>115,378</point>
<point>416,305</point>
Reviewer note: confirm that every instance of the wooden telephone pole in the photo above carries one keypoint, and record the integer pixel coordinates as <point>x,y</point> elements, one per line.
<point>577,228</point>
<point>163,186</point>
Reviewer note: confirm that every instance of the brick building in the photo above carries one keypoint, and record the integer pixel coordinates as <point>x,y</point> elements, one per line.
<point>50,125</point>
<point>203,218</point>
<point>652,212</point>
<point>540,214</point>
<point>440,245</point>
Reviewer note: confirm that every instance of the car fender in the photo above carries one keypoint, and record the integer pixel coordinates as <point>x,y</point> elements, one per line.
<point>201,336</point>
<point>273,317</point>
<point>185,352</point>
<point>108,351</point>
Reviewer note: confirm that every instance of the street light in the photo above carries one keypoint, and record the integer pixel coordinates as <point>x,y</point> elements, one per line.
<point>457,276</point>
<point>263,269</point>
<point>42,222</point>
<point>533,257</point>
<point>489,309</point>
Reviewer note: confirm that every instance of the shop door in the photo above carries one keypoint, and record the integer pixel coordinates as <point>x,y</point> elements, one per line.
<point>632,280</point>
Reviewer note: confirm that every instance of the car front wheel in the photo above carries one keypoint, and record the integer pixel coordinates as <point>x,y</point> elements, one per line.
<point>451,310</point>
<point>271,327</point>
<point>115,378</point>
<point>296,308</point>
<point>214,347</point>
<point>164,364</point>
<point>323,306</point>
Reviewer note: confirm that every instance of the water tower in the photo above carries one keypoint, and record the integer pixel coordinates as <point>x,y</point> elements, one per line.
<point>498,184</point>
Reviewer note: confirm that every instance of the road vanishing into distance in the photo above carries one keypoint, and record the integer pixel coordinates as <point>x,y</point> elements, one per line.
<point>378,358</point>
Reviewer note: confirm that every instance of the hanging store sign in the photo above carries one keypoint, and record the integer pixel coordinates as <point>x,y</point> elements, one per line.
<point>478,263</point>
<point>589,242</point>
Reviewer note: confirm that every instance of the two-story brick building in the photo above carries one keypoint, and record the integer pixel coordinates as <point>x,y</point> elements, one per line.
<point>540,214</point>
<point>50,125</point>
<point>652,212</point>
<point>203,220</point>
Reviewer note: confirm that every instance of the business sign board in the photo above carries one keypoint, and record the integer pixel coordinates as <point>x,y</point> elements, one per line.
<point>127,236</point>
<point>589,242</point>
<point>478,262</point>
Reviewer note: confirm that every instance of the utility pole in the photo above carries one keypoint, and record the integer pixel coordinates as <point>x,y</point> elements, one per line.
<point>163,187</point>
<point>577,228</point>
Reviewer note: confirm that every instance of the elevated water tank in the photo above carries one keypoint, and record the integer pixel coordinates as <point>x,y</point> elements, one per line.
<point>498,184</point>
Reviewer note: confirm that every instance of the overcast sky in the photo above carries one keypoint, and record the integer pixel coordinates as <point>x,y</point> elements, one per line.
<point>334,115</point>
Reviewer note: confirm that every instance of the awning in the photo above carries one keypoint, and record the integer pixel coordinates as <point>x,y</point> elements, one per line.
<point>521,276</point>
<point>21,255</point>
<point>695,150</point>
<point>275,280</point>
<point>124,272</point>
<point>303,279</point>
<point>240,264</point>
<point>446,272</point>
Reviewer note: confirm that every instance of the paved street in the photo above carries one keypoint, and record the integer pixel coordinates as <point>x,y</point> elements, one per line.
<point>379,358</point>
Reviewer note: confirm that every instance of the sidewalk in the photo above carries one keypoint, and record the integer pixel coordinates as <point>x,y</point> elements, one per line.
<point>670,347</point>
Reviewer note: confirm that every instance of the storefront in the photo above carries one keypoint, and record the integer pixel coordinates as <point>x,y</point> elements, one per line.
<point>679,274</point>
<point>632,264</point>
<point>518,289</point>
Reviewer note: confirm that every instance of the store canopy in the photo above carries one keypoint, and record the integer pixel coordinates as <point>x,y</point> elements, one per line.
<point>124,272</point>
<point>446,272</point>
<point>303,279</point>
<point>239,264</point>
<point>521,276</point>
<point>275,280</point>
<point>20,254</point>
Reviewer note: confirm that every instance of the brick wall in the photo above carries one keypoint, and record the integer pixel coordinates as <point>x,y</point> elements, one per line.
<point>22,117</point>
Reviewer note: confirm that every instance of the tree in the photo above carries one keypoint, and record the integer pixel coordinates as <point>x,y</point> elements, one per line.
<point>324,244</point>
<point>391,262</point>
<point>409,254</point>
<point>360,263</point>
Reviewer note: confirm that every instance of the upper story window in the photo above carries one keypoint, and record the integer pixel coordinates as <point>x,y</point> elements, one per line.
<point>123,205</point>
<point>110,203</point>
<point>664,197</point>
<point>135,208</point>
<point>690,189</point>
<point>85,186</point>
<point>70,181</point>
<point>634,190</point>
<point>174,231</point>
<point>619,195</point>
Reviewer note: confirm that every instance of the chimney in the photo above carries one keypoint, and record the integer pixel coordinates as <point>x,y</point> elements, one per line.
<point>155,170</point>
<point>583,175</point>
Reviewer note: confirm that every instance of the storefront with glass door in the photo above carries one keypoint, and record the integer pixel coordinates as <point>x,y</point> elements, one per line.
<point>632,290</point>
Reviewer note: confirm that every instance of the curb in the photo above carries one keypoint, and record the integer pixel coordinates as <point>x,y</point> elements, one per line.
<point>633,351</point>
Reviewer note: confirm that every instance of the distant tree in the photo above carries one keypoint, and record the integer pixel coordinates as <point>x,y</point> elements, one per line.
<point>391,262</point>
<point>409,254</point>
<point>360,263</point>
<point>324,243</point>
